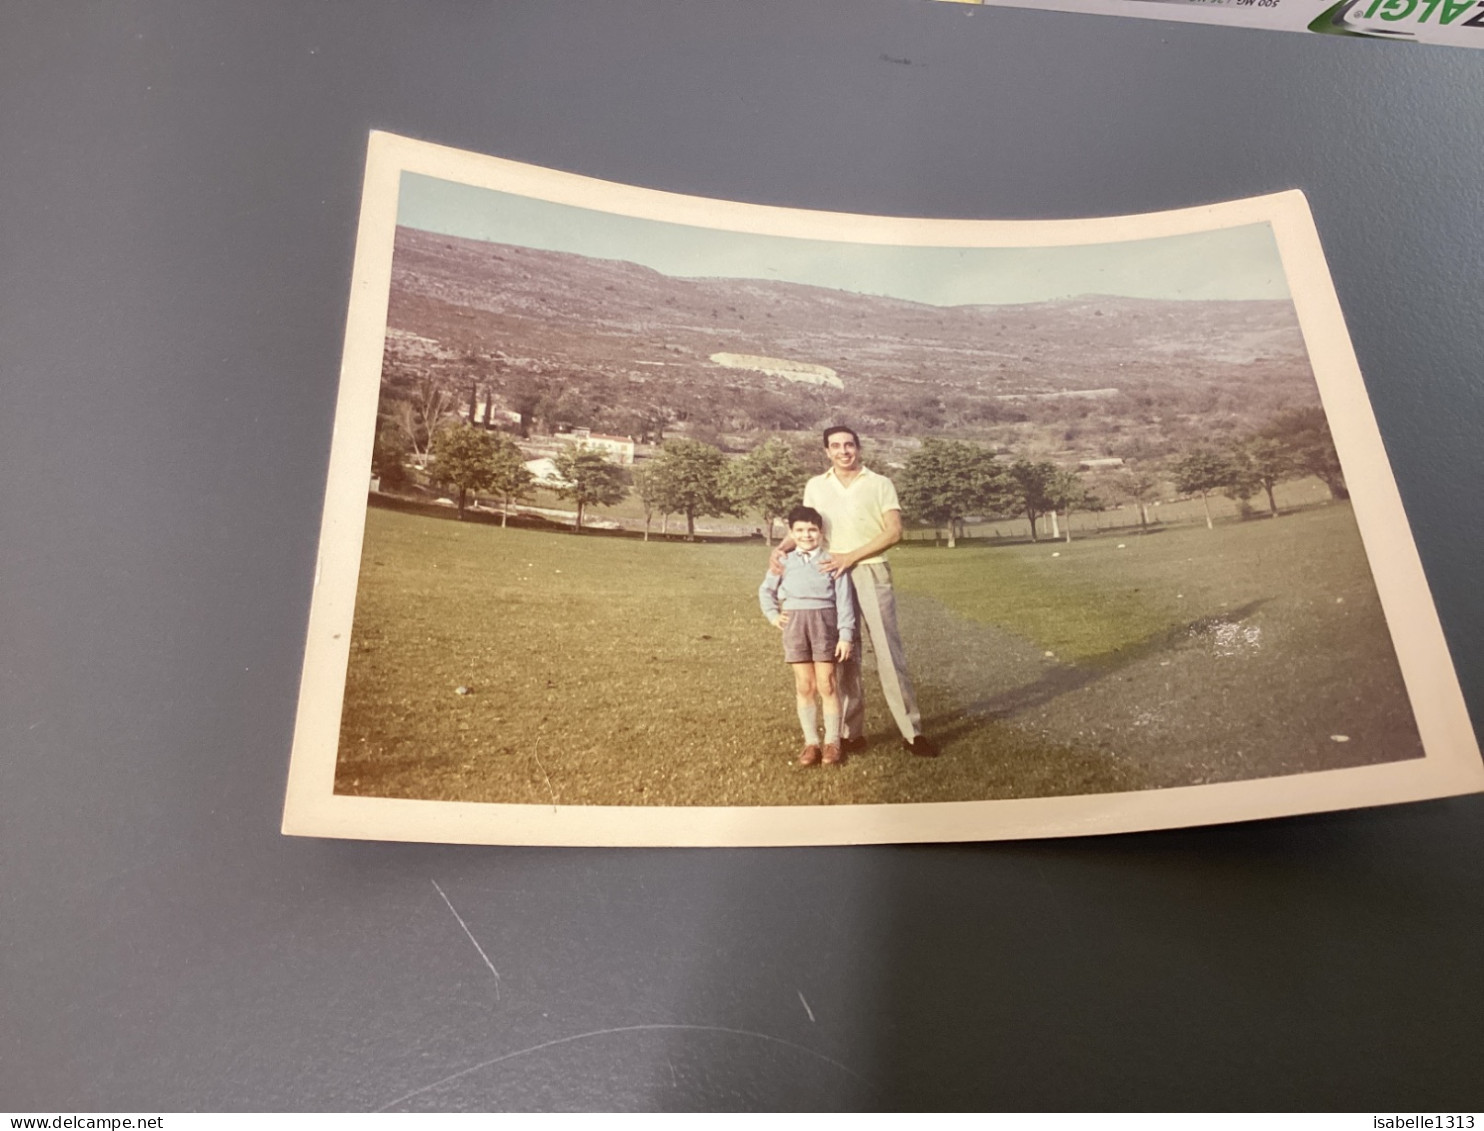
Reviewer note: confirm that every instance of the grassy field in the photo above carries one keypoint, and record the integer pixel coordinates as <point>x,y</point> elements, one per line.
<point>610,671</point>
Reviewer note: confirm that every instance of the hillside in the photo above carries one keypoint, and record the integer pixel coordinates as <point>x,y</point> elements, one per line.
<point>619,347</point>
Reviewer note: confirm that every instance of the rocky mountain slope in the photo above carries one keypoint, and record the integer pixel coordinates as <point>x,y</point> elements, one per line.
<point>613,339</point>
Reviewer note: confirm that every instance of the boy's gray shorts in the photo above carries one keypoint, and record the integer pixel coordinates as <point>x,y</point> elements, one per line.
<point>810,635</point>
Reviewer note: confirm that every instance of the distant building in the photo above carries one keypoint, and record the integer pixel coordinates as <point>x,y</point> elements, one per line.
<point>500,417</point>
<point>544,471</point>
<point>620,449</point>
<point>1105,464</point>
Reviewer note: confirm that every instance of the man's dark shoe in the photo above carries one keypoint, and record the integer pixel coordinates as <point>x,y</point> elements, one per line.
<point>922,746</point>
<point>853,745</point>
<point>809,756</point>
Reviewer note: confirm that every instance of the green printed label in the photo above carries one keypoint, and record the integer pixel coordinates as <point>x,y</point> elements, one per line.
<point>1397,19</point>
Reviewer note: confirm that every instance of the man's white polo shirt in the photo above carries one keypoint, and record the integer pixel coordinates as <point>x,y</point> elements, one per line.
<point>853,515</point>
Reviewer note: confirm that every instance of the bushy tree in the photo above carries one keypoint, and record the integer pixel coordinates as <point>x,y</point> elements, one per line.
<point>1242,482</point>
<point>652,485</point>
<point>810,453</point>
<point>509,476</point>
<point>769,480</point>
<point>694,481</point>
<point>1199,473</point>
<point>944,481</point>
<point>462,459</point>
<point>1137,485</point>
<point>1035,489</point>
<point>1305,434</point>
<point>1069,493</point>
<point>387,455</point>
<point>1267,461</point>
<point>588,479</point>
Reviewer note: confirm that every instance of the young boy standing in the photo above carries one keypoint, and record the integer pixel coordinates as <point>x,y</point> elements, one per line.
<point>816,612</point>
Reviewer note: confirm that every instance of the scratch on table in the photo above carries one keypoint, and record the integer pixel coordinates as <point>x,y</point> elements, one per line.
<point>805,1003</point>
<point>547,776</point>
<point>472,939</point>
<point>449,1079</point>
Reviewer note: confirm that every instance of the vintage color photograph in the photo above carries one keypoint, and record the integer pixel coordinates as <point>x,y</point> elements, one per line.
<point>659,514</point>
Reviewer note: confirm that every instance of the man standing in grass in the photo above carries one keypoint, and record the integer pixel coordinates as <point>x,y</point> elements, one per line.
<point>862,520</point>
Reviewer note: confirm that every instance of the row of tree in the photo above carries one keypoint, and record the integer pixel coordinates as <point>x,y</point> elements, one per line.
<point>688,478</point>
<point>943,482</point>
<point>1292,445</point>
<point>946,481</point>
<point>695,479</point>
<point>470,460</point>
<point>942,485</point>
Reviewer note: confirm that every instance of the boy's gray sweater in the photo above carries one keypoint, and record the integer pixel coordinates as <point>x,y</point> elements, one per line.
<point>805,586</point>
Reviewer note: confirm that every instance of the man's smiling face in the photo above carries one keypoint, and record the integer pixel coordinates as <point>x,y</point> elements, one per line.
<point>845,453</point>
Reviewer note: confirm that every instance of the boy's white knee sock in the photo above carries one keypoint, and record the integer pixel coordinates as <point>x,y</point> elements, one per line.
<point>809,720</point>
<point>831,729</point>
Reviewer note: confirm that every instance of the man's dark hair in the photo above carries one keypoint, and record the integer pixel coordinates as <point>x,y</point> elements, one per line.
<point>805,514</point>
<point>830,431</point>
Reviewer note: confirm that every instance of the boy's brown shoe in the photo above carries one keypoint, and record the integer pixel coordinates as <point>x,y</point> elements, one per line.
<point>809,756</point>
<point>833,755</point>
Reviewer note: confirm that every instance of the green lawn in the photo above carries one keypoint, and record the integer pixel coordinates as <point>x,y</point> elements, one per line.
<point>612,671</point>
<point>1090,598</point>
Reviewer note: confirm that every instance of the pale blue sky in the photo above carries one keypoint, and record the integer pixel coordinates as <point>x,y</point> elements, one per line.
<point>1234,263</point>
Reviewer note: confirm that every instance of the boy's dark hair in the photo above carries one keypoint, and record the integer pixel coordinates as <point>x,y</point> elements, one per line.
<point>830,431</point>
<point>805,514</point>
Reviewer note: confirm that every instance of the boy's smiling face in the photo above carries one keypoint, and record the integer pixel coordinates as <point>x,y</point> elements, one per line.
<point>806,535</point>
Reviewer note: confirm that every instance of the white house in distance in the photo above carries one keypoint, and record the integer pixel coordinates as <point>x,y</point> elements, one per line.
<point>544,472</point>
<point>1104,464</point>
<point>619,449</point>
<point>500,416</point>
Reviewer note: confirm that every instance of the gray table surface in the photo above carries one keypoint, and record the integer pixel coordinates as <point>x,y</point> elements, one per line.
<point>178,195</point>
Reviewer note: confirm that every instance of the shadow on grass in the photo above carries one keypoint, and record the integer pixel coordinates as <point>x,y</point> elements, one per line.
<point>1065,678</point>
<point>1024,763</point>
